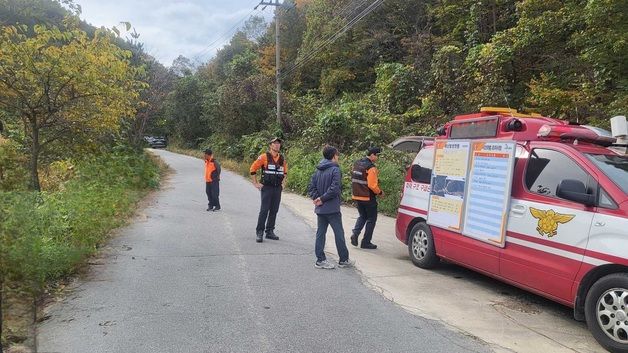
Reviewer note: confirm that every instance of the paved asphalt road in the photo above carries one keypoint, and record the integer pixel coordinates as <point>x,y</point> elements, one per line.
<point>180,279</point>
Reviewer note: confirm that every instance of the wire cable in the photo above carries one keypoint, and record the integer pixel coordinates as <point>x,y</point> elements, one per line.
<point>312,54</point>
<point>343,14</point>
<point>223,36</point>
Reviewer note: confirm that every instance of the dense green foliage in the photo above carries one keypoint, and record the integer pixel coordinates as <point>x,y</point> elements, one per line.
<point>74,103</point>
<point>391,167</point>
<point>406,68</point>
<point>44,235</point>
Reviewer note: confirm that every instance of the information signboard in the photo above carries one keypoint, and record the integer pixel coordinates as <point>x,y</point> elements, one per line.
<point>488,191</point>
<point>451,162</point>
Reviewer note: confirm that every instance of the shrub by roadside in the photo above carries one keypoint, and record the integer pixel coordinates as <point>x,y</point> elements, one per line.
<point>391,174</point>
<point>46,236</point>
<point>302,163</point>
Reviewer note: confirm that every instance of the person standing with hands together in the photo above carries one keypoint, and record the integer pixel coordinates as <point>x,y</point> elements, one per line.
<point>273,180</point>
<point>325,189</point>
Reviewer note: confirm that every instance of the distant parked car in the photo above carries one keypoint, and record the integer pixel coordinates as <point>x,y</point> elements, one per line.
<point>156,141</point>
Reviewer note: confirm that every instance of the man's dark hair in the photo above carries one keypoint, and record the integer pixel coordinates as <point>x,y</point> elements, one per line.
<point>373,150</point>
<point>329,152</point>
<point>209,151</point>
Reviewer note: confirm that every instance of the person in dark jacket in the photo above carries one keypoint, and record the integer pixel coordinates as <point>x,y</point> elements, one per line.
<point>325,190</point>
<point>212,181</point>
<point>365,190</point>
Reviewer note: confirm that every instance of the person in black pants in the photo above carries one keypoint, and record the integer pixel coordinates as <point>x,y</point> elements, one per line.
<point>212,181</point>
<point>274,171</point>
<point>364,190</point>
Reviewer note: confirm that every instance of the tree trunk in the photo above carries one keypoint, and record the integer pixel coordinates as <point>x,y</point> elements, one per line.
<point>1,317</point>
<point>142,127</point>
<point>494,17</point>
<point>34,162</point>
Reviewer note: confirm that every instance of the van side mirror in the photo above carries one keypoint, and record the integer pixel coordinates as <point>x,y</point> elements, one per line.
<point>574,190</point>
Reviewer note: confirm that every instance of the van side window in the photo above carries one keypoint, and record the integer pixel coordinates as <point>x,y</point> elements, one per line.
<point>547,168</point>
<point>421,170</point>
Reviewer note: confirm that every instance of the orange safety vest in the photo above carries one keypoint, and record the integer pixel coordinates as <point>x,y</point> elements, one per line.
<point>210,167</point>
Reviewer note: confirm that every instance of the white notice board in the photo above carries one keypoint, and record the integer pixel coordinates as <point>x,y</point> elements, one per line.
<point>449,174</point>
<point>488,191</point>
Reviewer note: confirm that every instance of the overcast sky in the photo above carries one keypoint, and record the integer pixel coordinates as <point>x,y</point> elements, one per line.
<point>169,28</point>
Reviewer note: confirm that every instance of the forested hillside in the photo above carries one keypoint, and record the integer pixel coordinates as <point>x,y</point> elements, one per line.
<point>404,68</point>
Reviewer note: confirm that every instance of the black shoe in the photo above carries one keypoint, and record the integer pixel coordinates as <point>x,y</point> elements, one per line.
<point>354,240</point>
<point>216,209</point>
<point>260,237</point>
<point>368,246</point>
<point>271,235</point>
<point>209,209</point>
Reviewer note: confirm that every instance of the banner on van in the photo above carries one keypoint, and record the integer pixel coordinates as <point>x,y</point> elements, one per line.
<point>488,191</point>
<point>451,163</point>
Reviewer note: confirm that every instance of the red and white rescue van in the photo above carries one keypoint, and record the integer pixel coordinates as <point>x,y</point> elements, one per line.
<point>552,218</point>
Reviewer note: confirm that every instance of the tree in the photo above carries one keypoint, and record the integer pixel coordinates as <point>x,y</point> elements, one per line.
<point>31,12</point>
<point>445,73</point>
<point>182,66</point>
<point>183,111</point>
<point>151,116</point>
<point>65,88</point>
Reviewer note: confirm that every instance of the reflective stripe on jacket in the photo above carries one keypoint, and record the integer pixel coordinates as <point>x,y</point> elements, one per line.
<point>364,181</point>
<point>273,172</point>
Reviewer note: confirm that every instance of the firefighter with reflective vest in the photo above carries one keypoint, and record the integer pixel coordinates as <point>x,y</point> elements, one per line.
<point>365,190</point>
<point>212,181</point>
<point>273,180</point>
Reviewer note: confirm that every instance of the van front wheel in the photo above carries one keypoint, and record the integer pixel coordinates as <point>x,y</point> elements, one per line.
<point>421,246</point>
<point>606,311</point>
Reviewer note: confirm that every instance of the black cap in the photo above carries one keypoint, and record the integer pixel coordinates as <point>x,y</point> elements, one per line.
<point>209,151</point>
<point>373,150</point>
<point>276,139</point>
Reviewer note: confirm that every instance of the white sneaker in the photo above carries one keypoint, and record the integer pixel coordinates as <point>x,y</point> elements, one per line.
<point>347,263</point>
<point>324,265</point>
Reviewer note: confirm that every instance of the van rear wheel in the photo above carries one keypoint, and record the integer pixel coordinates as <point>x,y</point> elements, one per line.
<point>606,312</point>
<point>421,246</point>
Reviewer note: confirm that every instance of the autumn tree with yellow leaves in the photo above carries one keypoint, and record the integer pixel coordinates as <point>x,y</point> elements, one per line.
<point>64,89</point>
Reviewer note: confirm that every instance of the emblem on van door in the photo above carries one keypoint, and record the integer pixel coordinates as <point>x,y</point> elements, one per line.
<point>548,220</point>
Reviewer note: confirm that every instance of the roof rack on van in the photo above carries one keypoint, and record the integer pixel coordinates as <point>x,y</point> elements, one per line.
<point>507,123</point>
<point>509,111</point>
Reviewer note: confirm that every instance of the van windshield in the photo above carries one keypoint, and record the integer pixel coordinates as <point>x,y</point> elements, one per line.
<point>615,167</point>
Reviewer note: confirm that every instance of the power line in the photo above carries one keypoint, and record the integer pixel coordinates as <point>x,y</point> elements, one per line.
<point>223,36</point>
<point>343,14</point>
<point>312,54</point>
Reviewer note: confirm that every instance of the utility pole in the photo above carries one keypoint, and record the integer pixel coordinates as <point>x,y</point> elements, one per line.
<point>277,52</point>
